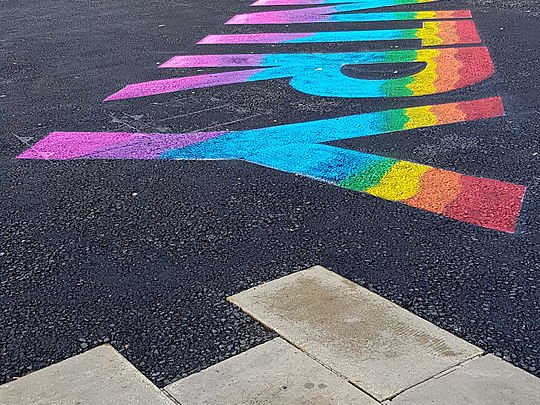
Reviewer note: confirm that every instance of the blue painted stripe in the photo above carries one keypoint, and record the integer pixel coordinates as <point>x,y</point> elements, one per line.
<point>322,162</point>
<point>244,144</point>
<point>352,36</point>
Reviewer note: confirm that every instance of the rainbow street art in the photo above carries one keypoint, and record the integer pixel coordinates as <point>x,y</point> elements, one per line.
<point>432,33</point>
<point>301,148</point>
<point>297,148</point>
<point>333,14</point>
<point>321,74</point>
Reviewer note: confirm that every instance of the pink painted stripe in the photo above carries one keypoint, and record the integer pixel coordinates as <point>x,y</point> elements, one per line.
<point>254,38</point>
<point>111,145</point>
<point>70,145</point>
<point>318,2</point>
<point>294,2</point>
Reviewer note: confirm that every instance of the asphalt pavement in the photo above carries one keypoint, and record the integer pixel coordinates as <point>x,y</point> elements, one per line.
<point>141,254</point>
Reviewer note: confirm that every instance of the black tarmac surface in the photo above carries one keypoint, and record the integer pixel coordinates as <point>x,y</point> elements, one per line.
<point>142,254</point>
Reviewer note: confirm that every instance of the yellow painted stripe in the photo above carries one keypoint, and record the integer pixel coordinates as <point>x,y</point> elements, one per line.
<point>424,81</point>
<point>428,34</point>
<point>425,15</point>
<point>420,117</point>
<point>402,181</point>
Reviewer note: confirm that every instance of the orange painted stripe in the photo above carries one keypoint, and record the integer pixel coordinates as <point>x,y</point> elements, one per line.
<point>448,114</point>
<point>448,67</point>
<point>448,33</point>
<point>438,188</point>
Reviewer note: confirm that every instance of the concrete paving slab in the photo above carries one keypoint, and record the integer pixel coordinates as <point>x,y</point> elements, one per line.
<point>273,373</point>
<point>99,376</point>
<point>486,380</point>
<point>374,343</point>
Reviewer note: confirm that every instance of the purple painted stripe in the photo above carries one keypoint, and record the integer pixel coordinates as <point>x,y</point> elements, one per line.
<point>266,38</point>
<point>182,83</point>
<point>111,145</point>
<point>321,14</point>
<point>189,61</point>
<point>151,146</point>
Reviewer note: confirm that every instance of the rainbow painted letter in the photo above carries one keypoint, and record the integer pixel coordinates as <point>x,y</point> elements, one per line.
<point>298,148</point>
<point>321,75</point>
<point>432,33</point>
<point>329,14</point>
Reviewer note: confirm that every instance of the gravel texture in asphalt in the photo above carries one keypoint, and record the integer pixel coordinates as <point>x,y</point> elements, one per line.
<point>142,254</point>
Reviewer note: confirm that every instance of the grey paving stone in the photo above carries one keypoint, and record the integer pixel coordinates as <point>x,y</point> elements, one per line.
<point>100,376</point>
<point>274,373</point>
<point>377,345</point>
<point>485,380</point>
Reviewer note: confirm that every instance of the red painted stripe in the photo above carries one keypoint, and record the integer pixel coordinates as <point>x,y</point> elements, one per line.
<point>476,66</point>
<point>489,203</point>
<point>483,108</point>
<point>467,33</point>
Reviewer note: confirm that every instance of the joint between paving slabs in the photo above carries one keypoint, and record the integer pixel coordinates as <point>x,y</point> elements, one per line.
<point>303,350</point>
<point>449,370</point>
<point>173,399</point>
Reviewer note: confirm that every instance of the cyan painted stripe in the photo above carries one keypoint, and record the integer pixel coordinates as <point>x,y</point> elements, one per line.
<point>352,36</point>
<point>243,144</point>
<point>323,162</point>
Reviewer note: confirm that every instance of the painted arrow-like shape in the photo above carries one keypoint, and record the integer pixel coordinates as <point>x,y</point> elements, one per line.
<point>445,69</point>
<point>298,148</point>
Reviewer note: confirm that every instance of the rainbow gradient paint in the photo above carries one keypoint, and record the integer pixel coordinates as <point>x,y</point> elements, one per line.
<point>320,74</point>
<point>325,15</point>
<point>329,14</point>
<point>297,148</point>
<point>431,34</point>
<point>364,3</point>
<point>300,148</point>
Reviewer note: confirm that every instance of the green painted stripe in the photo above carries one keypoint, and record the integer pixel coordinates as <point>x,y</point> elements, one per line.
<point>369,177</point>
